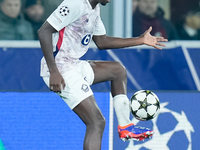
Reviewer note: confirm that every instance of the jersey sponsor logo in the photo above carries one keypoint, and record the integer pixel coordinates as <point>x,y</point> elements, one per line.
<point>87,20</point>
<point>85,88</point>
<point>64,11</point>
<point>86,40</point>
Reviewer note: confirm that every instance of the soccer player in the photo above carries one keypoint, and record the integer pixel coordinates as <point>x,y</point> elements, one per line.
<point>64,38</point>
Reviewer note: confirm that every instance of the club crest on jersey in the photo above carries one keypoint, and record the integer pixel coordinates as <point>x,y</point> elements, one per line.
<point>86,40</point>
<point>85,88</point>
<point>85,78</point>
<point>64,11</point>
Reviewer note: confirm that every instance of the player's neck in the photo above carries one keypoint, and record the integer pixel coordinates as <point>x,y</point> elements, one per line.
<point>93,3</point>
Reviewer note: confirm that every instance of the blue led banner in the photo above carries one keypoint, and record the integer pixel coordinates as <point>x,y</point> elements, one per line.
<point>42,121</point>
<point>170,69</point>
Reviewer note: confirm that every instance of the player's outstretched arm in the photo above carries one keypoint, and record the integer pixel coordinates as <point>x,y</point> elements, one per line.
<point>45,38</point>
<point>106,42</point>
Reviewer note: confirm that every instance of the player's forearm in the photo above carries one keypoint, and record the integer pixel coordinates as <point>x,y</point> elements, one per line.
<point>114,43</point>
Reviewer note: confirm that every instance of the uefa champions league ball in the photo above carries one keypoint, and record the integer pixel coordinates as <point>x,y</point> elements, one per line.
<point>64,11</point>
<point>144,105</point>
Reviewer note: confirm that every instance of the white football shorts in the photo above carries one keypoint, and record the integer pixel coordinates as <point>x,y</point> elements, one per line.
<point>78,81</point>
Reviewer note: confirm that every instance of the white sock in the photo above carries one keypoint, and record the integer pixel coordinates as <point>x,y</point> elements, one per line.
<point>122,109</point>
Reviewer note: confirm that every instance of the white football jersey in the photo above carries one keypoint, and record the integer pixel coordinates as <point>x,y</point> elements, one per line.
<point>76,23</point>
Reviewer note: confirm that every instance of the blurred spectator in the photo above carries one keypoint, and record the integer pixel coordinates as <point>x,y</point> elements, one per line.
<point>50,6</point>
<point>148,13</point>
<point>13,26</point>
<point>190,28</point>
<point>180,7</point>
<point>34,12</point>
<point>134,5</point>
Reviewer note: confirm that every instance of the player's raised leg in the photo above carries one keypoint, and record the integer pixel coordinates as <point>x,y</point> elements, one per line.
<point>91,115</point>
<point>116,73</point>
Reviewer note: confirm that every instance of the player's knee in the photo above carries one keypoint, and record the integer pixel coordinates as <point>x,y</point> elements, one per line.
<point>120,70</point>
<point>100,124</point>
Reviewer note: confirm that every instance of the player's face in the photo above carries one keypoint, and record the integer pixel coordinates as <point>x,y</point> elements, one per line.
<point>11,8</point>
<point>148,7</point>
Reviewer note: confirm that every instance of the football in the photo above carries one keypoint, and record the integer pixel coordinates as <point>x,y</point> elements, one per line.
<point>64,11</point>
<point>144,105</point>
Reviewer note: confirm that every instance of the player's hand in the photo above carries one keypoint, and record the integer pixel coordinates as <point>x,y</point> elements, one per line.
<point>56,82</point>
<point>153,41</point>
